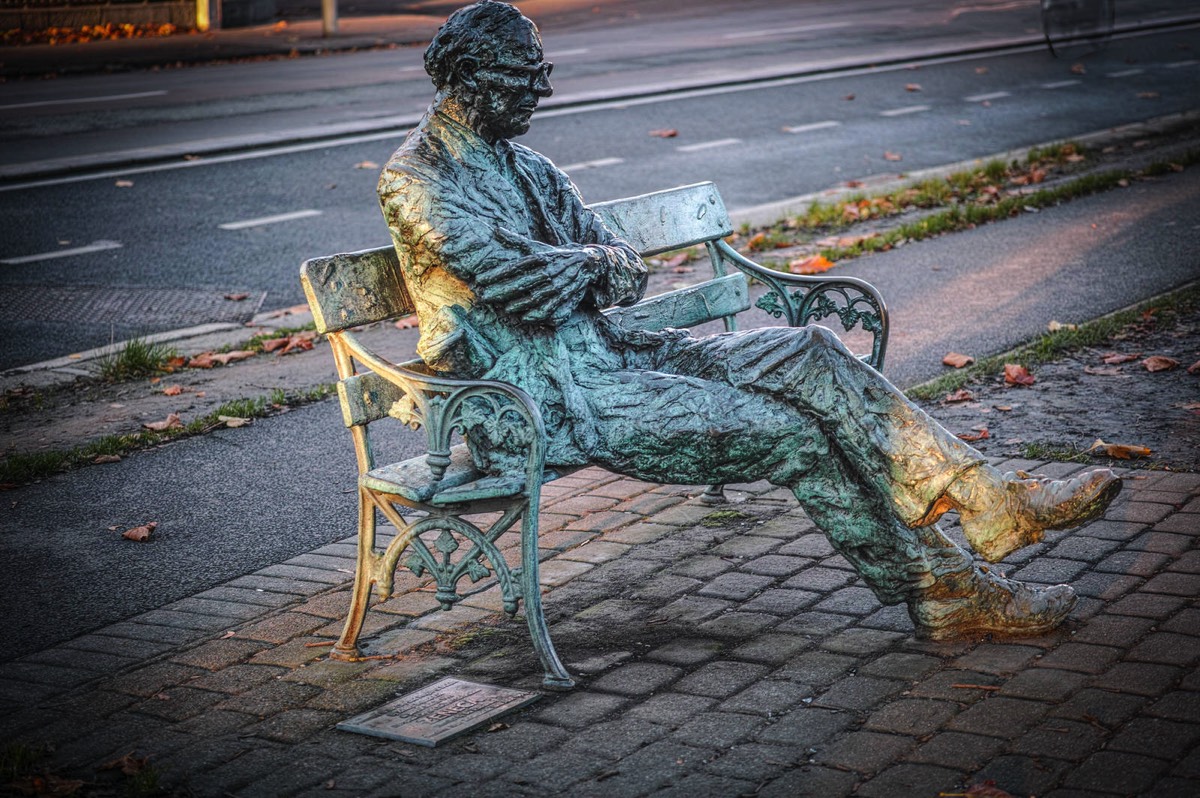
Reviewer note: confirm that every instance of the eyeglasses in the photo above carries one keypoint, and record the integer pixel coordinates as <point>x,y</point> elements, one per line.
<point>521,76</point>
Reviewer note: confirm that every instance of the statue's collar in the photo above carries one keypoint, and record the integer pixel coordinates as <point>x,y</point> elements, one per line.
<point>468,145</point>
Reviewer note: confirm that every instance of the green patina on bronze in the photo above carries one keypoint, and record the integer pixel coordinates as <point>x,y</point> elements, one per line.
<point>510,275</point>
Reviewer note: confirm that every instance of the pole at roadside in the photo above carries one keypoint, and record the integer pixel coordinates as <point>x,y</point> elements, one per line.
<point>329,17</point>
<point>208,15</point>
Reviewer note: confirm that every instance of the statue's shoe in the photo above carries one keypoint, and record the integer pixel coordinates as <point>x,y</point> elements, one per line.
<point>1027,507</point>
<point>995,606</point>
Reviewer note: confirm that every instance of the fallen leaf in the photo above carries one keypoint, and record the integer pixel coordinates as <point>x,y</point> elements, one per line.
<point>172,390</point>
<point>274,343</point>
<point>366,165</point>
<point>892,156</point>
<point>961,395</point>
<point>981,70</point>
<point>1147,95</point>
<point>1116,358</point>
<point>406,323</point>
<point>233,422</point>
<point>1055,326</point>
<point>957,360</point>
<point>677,260</point>
<point>104,459</point>
<point>140,534</point>
<point>665,133</point>
<point>1194,368</point>
<point>1003,408</point>
<point>236,297</point>
<point>177,362</point>
<point>812,265</point>
<point>848,97</point>
<point>979,435</point>
<point>986,789</point>
<point>1119,451</point>
<point>1016,374</point>
<point>1159,363</point>
<point>225,358</point>
<point>298,342</point>
<point>124,184</point>
<point>854,183</point>
<point>170,422</point>
<point>128,764</point>
<point>204,360</point>
<point>1102,371</point>
<point>497,726</point>
<point>912,86</point>
<point>1078,69</point>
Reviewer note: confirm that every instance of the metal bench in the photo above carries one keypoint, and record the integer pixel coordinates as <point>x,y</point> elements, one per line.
<point>346,291</point>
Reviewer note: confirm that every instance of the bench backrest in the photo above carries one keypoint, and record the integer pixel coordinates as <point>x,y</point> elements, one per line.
<point>356,288</point>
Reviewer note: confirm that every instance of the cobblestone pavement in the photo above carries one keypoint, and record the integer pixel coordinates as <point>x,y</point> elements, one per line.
<point>725,651</point>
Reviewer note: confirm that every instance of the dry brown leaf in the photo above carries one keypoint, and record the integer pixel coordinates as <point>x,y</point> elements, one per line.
<point>124,184</point>
<point>961,395</point>
<point>236,297</point>
<point>406,323</point>
<point>1055,326</point>
<point>665,133</point>
<point>172,390</point>
<point>128,764</point>
<point>986,789</point>
<point>140,534</point>
<point>1119,451</point>
<point>848,97</point>
<point>225,358</point>
<point>170,422</point>
<point>1016,374</point>
<point>1103,371</point>
<point>1160,363</point>
<point>979,435</point>
<point>204,360</point>
<point>853,184</point>
<point>892,156</point>
<point>1147,95</point>
<point>366,165</point>
<point>233,422</point>
<point>299,342</point>
<point>1078,69</point>
<point>677,260</point>
<point>1194,368</point>
<point>1116,358</point>
<point>957,360</point>
<point>274,343</point>
<point>104,459</point>
<point>1003,408</point>
<point>912,86</point>
<point>812,265</point>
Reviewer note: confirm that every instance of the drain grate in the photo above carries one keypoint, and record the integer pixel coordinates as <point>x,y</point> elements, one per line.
<point>106,304</point>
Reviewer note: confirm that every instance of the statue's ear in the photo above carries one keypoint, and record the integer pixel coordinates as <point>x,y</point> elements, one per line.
<point>465,71</point>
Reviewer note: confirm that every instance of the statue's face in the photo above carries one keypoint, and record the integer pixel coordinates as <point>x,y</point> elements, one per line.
<point>507,92</point>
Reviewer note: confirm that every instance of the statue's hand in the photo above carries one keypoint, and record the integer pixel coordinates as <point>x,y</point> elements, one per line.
<point>540,288</point>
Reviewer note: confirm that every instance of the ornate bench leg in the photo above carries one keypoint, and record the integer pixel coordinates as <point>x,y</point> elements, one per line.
<point>556,677</point>
<point>360,595</point>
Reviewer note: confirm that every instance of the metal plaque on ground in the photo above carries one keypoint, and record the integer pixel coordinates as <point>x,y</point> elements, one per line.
<point>438,712</point>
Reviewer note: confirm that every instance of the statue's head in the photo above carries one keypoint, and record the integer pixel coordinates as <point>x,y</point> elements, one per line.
<point>489,58</point>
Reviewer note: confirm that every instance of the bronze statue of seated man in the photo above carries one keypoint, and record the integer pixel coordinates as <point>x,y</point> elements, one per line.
<point>509,271</point>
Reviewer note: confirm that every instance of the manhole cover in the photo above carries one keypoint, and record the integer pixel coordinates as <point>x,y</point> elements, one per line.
<point>106,304</point>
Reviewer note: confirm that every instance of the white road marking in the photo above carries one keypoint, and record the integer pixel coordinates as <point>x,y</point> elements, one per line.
<point>575,167</point>
<point>282,217</point>
<point>812,126</point>
<point>908,109</point>
<point>95,246</point>
<point>564,53</point>
<point>1061,84</point>
<point>982,98</point>
<point>707,145</point>
<point>1126,73</point>
<point>748,34</point>
<point>1187,63</point>
<point>73,100</point>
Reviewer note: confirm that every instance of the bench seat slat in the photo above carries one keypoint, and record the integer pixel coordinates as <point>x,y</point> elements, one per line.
<point>413,481</point>
<point>687,307</point>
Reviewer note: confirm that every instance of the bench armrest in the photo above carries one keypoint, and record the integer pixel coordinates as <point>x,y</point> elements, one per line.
<point>803,299</point>
<point>444,406</point>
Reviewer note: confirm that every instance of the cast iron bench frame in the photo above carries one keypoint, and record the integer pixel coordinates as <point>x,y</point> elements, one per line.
<point>349,290</point>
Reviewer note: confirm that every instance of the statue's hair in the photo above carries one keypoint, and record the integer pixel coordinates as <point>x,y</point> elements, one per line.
<point>474,31</point>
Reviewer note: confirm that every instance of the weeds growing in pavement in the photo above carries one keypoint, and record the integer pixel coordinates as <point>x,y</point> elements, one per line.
<point>136,359</point>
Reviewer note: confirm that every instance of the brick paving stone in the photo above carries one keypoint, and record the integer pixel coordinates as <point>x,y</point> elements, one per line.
<point>1050,571</point>
<point>1189,563</point>
<point>746,546</point>
<point>737,625</point>
<point>718,730</point>
<point>736,586</point>
<point>909,779</point>
<point>956,750</point>
<point>595,552</point>
<point>687,650</point>
<point>703,566</point>
<point>237,678</point>
<point>851,601</point>
<point>811,545</point>
<point>639,533</point>
<point>243,595</point>
<point>999,716</point>
<point>1083,657</point>
<point>864,751</point>
<point>1058,738</point>
<point>230,610</point>
<point>412,605</point>
<point>670,709</point>
<point>637,678</point>
<point>811,782</point>
<point>1189,766</point>
<point>957,685</point>
<point>217,654</point>
<point>1138,512</point>
<point>693,609</point>
<point>781,601</point>
<point>1088,549</point>
<point>301,573</point>
<point>554,772</point>
<point>1109,709</point>
<point>777,565</point>
<point>1135,563</point>
<point>1183,523</point>
<point>616,738</point>
<point>1180,705</point>
<point>1156,737</point>
<point>1186,622</point>
<point>186,620</point>
<point>1113,630</point>
<point>291,654</point>
<point>806,727</point>
<point>92,663</point>
<point>1148,605</point>
<point>662,762</point>
<point>1021,775</point>
<point>820,579</point>
<point>754,761</point>
<point>1167,648</point>
<point>1171,787</point>
<point>1105,586</point>
<point>1177,584</point>
<point>720,679</point>
<point>213,723</point>
<point>912,716</point>
<point>1162,542</point>
<point>293,725</point>
<point>153,678</point>
<point>178,703</point>
<point>1116,771</point>
<point>815,623</point>
<point>408,671</point>
<point>694,784</point>
<point>772,648</point>
<point>615,613</point>
<point>817,668</point>
<point>603,521</point>
<point>770,697</point>
<point>858,692</point>
<point>353,697</point>
<point>583,504</point>
<point>1113,530</point>
<point>283,627</point>
<point>107,741</point>
<point>298,776</point>
<point>1139,678</point>
<point>120,646</point>
<point>269,698</point>
<point>1043,684</point>
<point>860,641</point>
<point>998,658</point>
<point>471,767</point>
<point>134,629</point>
<point>560,571</point>
<point>897,665</point>
<point>626,570</point>
<point>523,739</point>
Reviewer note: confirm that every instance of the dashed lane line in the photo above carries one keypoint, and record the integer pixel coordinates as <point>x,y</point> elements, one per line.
<point>811,126</point>
<point>594,164</point>
<point>74,100</point>
<point>263,220</point>
<point>707,145</point>
<point>983,98</point>
<point>908,109</point>
<point>95,246</point>
<point>1061,84</point>
<point>750,34</point>
<point>1126,73</point>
